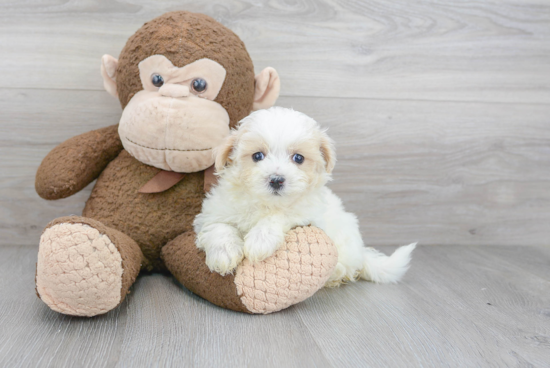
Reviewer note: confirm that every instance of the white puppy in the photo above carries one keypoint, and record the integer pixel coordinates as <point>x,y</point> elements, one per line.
<point>272,175</point>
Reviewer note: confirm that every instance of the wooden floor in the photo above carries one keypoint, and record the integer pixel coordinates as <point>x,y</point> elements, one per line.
<point>459,306</point>
<point>441,115</point>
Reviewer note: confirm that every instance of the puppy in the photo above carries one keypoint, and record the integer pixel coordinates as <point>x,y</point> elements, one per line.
<point>272,175</point>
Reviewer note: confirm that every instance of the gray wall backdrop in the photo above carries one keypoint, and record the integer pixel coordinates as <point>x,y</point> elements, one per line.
<point>440,110</point>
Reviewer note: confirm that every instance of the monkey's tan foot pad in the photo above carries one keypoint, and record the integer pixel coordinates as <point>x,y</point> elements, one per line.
<point>295,272</point>
<point>79,270</point>
<point>299,268</point>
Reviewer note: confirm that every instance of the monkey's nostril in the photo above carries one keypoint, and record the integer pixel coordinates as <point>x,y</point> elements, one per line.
<point>276,182</point>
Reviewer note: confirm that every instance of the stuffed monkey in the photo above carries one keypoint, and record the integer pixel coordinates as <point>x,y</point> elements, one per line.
<point>183,81</point>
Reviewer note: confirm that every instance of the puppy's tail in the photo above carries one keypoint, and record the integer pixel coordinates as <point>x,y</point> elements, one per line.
<point>379,268</point>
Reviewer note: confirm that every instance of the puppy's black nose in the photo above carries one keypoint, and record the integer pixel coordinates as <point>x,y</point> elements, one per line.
<point>276,182</point>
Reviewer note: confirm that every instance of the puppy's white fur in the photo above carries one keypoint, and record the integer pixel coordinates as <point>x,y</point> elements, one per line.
<point>244,216</point>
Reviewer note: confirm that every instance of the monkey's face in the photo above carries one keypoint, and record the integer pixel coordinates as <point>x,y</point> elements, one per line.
<point>174,122</point>
<point>183,80</point>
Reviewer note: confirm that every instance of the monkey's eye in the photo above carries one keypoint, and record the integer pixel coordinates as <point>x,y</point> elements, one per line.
<point>298,158</point>
<point>258,156</point>
<point>199,85</point>
<point>157,80</point>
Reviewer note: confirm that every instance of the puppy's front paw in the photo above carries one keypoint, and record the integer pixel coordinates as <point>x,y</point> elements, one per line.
<point>225,256</point>
<point>261,242</point>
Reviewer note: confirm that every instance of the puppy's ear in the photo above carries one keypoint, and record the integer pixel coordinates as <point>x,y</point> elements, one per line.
<point>328,152</point>
<point>222,152</point>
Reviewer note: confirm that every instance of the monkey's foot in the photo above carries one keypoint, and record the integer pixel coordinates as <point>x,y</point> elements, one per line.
<point>82,269</point>
<point>299,268</point>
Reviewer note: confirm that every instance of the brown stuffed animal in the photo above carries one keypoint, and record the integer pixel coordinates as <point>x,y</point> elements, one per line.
<point>183,81</point>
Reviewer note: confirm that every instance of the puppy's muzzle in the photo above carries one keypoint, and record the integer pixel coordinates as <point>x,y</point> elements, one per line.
<point>276,182</point>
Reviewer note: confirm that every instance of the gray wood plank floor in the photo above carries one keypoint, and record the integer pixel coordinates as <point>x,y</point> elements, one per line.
<point>459,306</point>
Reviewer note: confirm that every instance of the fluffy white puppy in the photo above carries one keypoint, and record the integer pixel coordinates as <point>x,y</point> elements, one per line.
<point>272,175</point>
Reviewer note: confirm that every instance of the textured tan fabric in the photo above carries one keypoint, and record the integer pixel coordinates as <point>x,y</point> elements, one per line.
<point>85,268</point>
<point>176,134</point>
<point>294,273</point>
<point>79,270</point>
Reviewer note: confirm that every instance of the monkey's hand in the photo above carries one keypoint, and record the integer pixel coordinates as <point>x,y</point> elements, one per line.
<point>75,163</point>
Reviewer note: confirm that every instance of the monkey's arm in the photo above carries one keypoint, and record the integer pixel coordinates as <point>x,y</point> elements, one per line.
<point>75,163</point>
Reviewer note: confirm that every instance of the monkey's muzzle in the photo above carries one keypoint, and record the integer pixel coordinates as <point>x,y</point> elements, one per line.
<point>175,134</point>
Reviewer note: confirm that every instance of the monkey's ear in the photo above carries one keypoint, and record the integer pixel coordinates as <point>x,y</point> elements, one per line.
<point>222,152</point>
<point>328,152</point>
<point>108,72</point>
<point>266,90</point>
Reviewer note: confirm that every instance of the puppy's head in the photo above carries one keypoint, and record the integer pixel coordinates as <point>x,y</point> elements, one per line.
<point>277,153</point>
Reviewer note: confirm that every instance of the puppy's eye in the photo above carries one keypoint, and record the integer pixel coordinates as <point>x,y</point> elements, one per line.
<point>157,80</point>
<point>258,156</point>
<point>199,85</point>
<point>298,158</point>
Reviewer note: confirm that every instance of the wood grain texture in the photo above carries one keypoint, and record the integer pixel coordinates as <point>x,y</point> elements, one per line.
<point>450,170</point>
<point>458,306</point>
<point>401,49</point>
<point>440,111</point>
<point>438,173</point>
